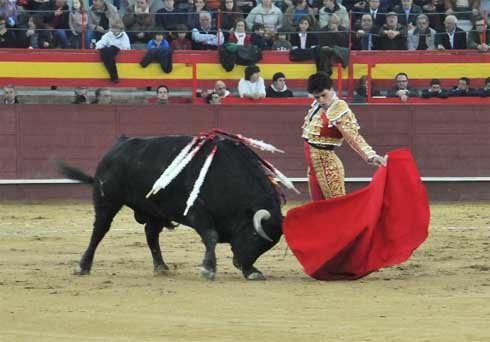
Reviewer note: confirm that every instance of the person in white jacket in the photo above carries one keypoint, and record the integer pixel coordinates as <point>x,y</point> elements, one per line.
<point>110,44</point>
<point>252,85</point>
<point>267,14</point>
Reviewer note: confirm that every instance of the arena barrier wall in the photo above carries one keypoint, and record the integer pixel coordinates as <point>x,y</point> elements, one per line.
<point>200,69</point>
<point>450,143</point>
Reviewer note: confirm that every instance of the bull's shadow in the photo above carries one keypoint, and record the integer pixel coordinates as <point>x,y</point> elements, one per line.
<point>238,203</point>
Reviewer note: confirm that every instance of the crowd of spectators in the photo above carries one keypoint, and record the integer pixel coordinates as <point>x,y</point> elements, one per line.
<point>270,24</point>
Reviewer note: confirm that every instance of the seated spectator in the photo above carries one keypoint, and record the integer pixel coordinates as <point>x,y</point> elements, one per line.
<point>7,35</point>
<point>205,37</point>
<point>435,11</point>
<point>453,37</point>
<point>193,19</point>
<point>392,35</point>
<point>294,13</point>
<point>422,37</point>
<point>162,95</point>
<point>463,9</point>
<point>100,14</point>
<point>139,22</point>
<point>278,87</point>
<point>43,38</point>
<point>181,42</point>
<point>478,38</point>
<point>28,37</point>
<point>333,35</point>
<point>220,89</point>
<point>407,13</point>
<point>168,17</point>
<point>485,91</point>
<point>238,35</point>
<point>159,50</point>
<point>333,7</point>
<point>109,45</point>
<point>463,88</point>
<point>303,39</point>
<point>9,11</point>
<point>266,14</point>
<point>10,95</point>
<point>103,95</point>
<point>81,96</point>
<point>281,42</point>
<point>230,14</point>
<point>259,38</point>
<point>77,23</point>
<point>401,88</point>
<point>213,99</point>
<point>435,90</point>
<point>57,19</point>
<point>375,9</point>
<point>252,85</point>
<point>365,38</point>
<point>361,92</point>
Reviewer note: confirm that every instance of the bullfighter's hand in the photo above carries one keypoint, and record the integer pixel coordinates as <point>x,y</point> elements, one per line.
<point>377,160</point>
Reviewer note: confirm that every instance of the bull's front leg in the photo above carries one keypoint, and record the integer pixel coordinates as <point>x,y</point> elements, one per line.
<point>210,239</point>
<point>152,231</point>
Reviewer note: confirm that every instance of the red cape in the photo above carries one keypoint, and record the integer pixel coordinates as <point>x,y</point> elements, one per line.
<point>351,236</point>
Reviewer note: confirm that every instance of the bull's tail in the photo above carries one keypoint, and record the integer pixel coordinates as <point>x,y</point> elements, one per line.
<point>73,172</point>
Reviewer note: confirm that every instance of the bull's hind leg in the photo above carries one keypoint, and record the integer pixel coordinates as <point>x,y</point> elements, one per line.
<point>104,214</point>
<point>210,239</point>
<point>152,230</point>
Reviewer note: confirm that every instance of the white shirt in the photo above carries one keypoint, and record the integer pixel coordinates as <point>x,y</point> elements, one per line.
<point>109,39</point>
<point>247,87</point>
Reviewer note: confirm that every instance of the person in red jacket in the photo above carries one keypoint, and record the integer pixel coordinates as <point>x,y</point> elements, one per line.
<point>238,34</point>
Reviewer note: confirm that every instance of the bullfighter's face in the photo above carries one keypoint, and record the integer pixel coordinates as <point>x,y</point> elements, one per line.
<point>325,97</point>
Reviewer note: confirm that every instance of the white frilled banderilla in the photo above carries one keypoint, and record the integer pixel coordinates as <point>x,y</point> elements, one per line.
<point>190,151</point>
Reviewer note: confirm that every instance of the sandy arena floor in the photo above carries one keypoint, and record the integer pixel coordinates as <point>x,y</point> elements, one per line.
<point>441,294</point>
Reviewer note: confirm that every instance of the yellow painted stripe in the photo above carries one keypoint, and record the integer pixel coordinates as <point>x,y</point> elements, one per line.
<point>432,70</point>
<point>209,71</point>
<point>90,70</point>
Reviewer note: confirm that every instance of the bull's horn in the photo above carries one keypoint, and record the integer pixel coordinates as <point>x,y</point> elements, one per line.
<point>260,215</point>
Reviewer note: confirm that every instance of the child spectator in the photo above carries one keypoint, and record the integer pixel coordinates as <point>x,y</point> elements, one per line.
<point>238,34</point>
<point>181,42</point>
<point>281,43</point>
<point>110,44</point>
<point>158,49</point>
<point>258,37</point>
<point>77,22</point>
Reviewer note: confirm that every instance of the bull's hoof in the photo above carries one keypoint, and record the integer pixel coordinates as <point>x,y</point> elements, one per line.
<point>79,271</point>
<point>208,274</point>
<point>161,270</point>
<point>255,276</point>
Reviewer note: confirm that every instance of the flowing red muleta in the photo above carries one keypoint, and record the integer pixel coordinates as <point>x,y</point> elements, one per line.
<point>351,236</point>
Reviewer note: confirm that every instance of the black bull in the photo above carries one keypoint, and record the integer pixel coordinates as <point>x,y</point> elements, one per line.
<point>233,205</point>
